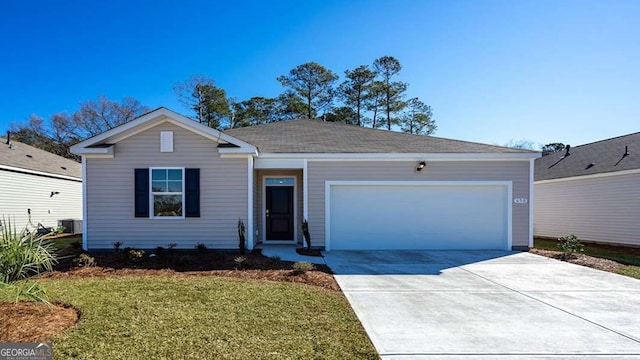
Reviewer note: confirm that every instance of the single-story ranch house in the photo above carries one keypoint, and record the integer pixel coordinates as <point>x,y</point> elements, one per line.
<point>592,191</point>
<point>38,187</point>
<point>164,178</point>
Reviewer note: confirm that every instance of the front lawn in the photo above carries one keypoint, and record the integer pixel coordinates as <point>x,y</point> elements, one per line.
<point>619,259</point>
<point>205,317</point>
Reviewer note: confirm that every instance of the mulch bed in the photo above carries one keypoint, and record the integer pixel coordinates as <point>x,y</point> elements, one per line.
<point>34,321</point>
<point>192,263</point>
<point>581,259</point>
<point>309,252</point>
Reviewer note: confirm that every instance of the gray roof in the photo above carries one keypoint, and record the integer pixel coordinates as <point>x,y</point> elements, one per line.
<point>606,156</point>
<point>30,158</point>
<point>316,136</point>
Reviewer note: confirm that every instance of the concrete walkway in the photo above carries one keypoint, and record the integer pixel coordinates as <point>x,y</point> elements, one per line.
<point>488,305</point>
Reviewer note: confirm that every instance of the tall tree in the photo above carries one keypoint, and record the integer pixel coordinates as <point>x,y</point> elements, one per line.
<point>289,106</point>
<point>551,148</point>
<point>374,101</point>
<point>388,67</point>
<point>524,144</point>
<point>354,90</point>
<point>255,111</point>
<point>313,83</point>
<point>95,117</point>
<point>209,102</point>
<point>62,130</point>
<point>342,114</point>
<point>418,118</point>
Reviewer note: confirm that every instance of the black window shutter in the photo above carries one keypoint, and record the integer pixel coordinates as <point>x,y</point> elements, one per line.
<point>142,193</point>
<point>192,192</point>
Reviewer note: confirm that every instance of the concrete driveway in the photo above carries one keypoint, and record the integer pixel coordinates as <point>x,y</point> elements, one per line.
<point>480,304</point>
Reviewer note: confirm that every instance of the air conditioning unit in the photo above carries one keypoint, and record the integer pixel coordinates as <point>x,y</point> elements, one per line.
<point>71,226</point>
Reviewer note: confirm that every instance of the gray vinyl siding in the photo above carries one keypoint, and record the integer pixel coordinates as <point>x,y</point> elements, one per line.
<point>259,205</point>
<point>110,193</point>
<point>605,209</point>
<point>321,171</point>
<point>20,192</point>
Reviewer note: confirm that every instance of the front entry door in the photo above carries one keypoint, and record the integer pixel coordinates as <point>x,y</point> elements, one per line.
<point>279,213</point>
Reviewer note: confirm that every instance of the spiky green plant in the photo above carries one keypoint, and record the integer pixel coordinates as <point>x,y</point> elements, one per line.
<point>22,255</point>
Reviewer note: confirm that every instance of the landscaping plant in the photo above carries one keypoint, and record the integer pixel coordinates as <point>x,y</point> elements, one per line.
<point>201,247</point>
<point>240,262</point>
<point>302,267</point>
<point>22,255</point>
<point>84,260</point>
<point>570,245</point>
<point>241,237</point>
<point>117,245</point>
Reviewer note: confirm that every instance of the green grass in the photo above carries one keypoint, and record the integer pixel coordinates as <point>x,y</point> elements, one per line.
<point>630,259</point>
<point>206,318</point>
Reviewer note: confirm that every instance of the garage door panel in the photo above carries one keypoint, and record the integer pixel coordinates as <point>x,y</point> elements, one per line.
<point>418,217</point>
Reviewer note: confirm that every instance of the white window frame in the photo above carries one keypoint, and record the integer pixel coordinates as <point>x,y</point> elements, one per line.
<point>152,193</point>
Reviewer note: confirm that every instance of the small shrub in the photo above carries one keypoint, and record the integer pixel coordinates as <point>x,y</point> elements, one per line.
<point>241,237</point>
<point>135,255</point>
<point>22,255</point>
<point>183,260</point>
<point>84,260</point>
<point>240,262</point>
<point>201,247</point>
<point>275,260</point>
<point>301,267</point>
<point>117,245</point>
<point>159,250</point>
<point>59,229</point>
<point>570,245</point>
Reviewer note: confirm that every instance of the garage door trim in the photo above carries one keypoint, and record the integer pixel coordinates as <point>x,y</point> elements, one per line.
<point>329,184</point>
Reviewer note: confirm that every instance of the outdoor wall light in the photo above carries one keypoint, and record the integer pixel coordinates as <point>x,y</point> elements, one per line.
<point>421,165</point>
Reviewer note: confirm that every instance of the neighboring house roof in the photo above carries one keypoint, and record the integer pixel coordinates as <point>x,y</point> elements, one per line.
<point>316,136</point>
<point>32,159</point>
<point>595,158</point>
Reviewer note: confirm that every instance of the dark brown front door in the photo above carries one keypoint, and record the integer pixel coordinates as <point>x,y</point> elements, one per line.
<point>279,212</point>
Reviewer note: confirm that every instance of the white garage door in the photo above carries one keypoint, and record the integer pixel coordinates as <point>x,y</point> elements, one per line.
<point>418,216</point>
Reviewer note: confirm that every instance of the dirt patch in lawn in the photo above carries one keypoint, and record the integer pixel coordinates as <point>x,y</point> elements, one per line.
<point>34,321</point>
<point>581,259</point>
<point>254,265</point>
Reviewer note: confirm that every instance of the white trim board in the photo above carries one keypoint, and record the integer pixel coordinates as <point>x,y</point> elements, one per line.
<point>264,208</point>
<point>531,200</point>
<point>249,230</point>
<point>155,118</point>
<point>587,177</point>
<point>85,235</point>
<point>39,173</point>
<point>403,156</point>
<point>327,199</point>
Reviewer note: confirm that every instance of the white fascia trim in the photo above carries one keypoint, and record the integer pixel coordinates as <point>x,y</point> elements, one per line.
<point>240,150</point>
<point>531,200</point>
<point>162,115</point>
<point>587,177</point>
<point>97,150</point>
<point>261,163</point>
<point>35,172</point>
<point>305,190</point>
<point>403,156</point>
<point>250,195</point>
<point>84,206</point>
<point>327,199</point>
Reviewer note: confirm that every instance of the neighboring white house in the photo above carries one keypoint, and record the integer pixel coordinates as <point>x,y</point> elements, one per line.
<point>38,187</point>
<point>592,191</point>
<point>163,178</point>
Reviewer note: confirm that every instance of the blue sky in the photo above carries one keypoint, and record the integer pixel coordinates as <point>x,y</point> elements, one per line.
<point>492,71</point>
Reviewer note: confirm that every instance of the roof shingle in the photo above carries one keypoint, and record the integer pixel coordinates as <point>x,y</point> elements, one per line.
<point>316,136</point>
<point>605,155</point>
<point>30,158</point>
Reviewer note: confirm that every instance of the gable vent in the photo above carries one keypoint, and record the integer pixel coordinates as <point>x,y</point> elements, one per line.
<point>166,141</point>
